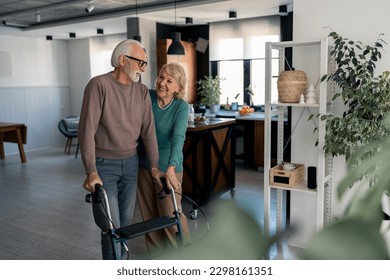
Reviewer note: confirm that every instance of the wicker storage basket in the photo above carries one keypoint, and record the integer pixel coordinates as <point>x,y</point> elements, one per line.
<point>291,84</point>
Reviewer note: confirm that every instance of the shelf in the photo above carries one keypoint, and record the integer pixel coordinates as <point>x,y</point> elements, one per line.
<point>287,44</point>
<point>294,105</point>
<point>302,187</point>
<point>275,108</point>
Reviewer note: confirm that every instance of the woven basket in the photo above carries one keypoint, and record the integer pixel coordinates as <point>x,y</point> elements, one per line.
<point>291,84</point>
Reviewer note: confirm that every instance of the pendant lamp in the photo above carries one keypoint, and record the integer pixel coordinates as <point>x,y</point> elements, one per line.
<point>137,37</point>
<point>176,48</point>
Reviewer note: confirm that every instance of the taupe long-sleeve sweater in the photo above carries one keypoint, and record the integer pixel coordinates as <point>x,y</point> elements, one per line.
<point>112,118</point>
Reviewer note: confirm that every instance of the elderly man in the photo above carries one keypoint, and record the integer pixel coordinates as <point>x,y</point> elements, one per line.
<point>116,111</point>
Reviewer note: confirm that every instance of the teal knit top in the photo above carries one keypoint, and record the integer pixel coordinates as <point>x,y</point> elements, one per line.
<point>171,125</point>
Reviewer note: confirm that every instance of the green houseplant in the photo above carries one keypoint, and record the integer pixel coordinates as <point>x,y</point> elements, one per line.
<point>209,90</point>
<point>366,97</point>
<point>361,134</point>
<point>357,234</point>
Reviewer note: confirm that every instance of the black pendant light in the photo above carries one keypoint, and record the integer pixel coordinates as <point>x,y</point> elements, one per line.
<point>137,37</point>
<point>176,48</point>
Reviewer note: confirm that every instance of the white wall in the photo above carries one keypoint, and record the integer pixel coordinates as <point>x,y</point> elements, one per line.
<point>37,93</point>
<point>36,62</point>
<point>79,72</point>
<point>358,20</point>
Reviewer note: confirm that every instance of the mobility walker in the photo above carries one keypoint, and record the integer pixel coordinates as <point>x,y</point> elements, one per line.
<point>102,216</point>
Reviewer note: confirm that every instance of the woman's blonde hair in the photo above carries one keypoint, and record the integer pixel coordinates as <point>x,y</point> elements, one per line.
<point>176,71</point>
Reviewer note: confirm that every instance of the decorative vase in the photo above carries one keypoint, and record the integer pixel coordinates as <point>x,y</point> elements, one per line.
<point>234,106</point>
<point>214,109</point>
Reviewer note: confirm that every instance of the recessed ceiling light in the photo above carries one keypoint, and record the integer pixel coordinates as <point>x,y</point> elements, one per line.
<point>232,14</point>
<point>189,20</point>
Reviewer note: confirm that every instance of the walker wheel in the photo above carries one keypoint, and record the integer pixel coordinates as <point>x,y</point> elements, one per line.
<point>194,214</point>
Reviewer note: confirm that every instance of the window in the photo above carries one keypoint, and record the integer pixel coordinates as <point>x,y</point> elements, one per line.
<point>238,50</point>
<point>258,80</point>
<point>232,82</point>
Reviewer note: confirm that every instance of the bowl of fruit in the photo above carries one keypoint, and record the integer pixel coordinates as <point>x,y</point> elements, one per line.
<point>246,110</point>
<point>201,120</point>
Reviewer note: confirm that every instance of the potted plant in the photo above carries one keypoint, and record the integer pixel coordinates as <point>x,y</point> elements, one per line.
<point>362,135</point>
<point>209,90</point>
<point>366,97</point>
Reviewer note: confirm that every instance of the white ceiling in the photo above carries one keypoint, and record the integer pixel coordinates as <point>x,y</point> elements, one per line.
<point>202,12</point>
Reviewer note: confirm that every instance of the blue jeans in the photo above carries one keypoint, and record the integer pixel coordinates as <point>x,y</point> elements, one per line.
<point>119,178</point>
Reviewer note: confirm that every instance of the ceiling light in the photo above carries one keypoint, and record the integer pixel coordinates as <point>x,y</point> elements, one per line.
<point>72,35</point>
<point>232,14</point>
<point>100,31</point>
<point>176,48</point>
<point>137,37</point>
<point>283,10</point>
<point>49,37</point>
<point>14,24</point>
<point>38,16</point>
<point>189,20</point>
<point>90,7</point>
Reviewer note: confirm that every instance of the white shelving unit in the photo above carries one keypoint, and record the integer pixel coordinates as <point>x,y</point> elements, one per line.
<point>272,109</point>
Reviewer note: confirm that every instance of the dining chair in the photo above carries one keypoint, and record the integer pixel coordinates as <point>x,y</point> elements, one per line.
<point>68,126</point>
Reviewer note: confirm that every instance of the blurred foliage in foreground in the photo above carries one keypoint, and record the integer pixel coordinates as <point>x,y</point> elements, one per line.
<point>357,234</point>
<point>234,234</point>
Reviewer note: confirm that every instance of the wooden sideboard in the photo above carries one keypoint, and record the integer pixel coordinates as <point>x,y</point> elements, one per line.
<point>209,159</point>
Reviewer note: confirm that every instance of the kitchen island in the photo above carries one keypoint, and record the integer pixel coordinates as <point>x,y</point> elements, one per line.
<point>209,159</point>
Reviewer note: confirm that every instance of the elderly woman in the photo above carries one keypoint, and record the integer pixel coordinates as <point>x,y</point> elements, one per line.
<point>170,112</point>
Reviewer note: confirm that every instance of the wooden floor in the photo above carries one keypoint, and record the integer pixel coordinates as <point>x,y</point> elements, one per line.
<point>44,216</point>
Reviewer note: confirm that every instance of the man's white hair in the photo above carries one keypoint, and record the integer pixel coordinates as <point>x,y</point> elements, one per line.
<point>124,47</point>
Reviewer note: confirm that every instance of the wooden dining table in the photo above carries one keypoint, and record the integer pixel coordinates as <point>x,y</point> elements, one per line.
<point>13,133</point>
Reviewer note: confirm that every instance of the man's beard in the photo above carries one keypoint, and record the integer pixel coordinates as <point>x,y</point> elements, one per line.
<point>133,75</point>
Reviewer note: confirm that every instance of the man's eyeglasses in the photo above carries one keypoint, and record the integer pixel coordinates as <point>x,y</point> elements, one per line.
<point>141,62</point>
